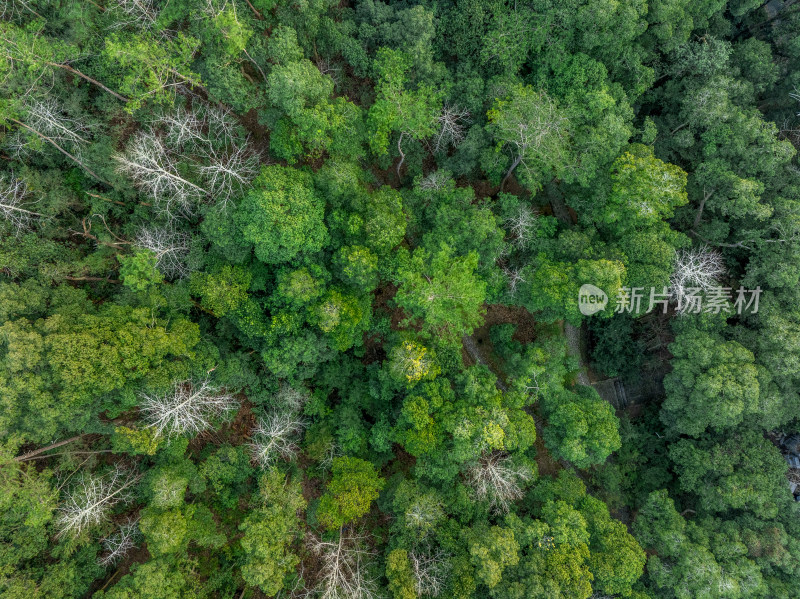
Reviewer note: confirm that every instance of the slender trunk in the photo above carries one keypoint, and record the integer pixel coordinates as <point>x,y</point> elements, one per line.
<point>89,79</point>
<point>62,150</point>
<point>92,279</point>
<point>36,452</point>
<point>701,207</point>
<point>17,209</point>
<point>253,8</point>
<point>246,53</point>
<point>678,128</point>
<point>402,156</point>
<point>514,165</point>
<point>574,336</point>
<point>738,244</point>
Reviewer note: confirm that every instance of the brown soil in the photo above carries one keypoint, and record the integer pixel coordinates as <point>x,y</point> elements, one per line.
<point>546,463</point>
<point>236,432</point>
<point>259,134</point>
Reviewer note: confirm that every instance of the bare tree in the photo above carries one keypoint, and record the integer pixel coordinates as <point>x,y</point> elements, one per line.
<point>514,277</point>
<point>695,270</point>
<point>202,139</point>
<point>171,248</point>
<point>155,170</point>
<point>343,574</point>
<point>791,131</point>
<point>332,451</point>
<point>49,118</point>
<point>421,514</point>
<point>90,499</point>
<point>452,122</point>
<point>521,224</point>
<point>496,479</point>
<point>795,95</point>
<point>188,407</point>
<point>14,196</point>
<point>118,544</point>
<point>45,119</point>
<point>13,9</point>
<point>435,181</point>
<point>221,124</point>
<point>141,14</point>
<point>182,126</point>
<point>275,436</point>
<point>430,572</point>
<point>289,398</point>
<point>531,125</point>
<point>228,172</point>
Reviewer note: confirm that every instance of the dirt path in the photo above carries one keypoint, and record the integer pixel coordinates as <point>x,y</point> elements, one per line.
<point>575,335</point>
<point>475,353</point>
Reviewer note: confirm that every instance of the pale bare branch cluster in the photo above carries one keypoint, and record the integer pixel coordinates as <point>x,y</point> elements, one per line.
<point>521,224</point>
<point>189,407</point>
<point>171,248</point>
<point>228,171</point>
<point>514,277</point>
<point>423,514</point>
<point>291,399</point>
<point>182,126</point>
<point>90,499</point>
<point>326,67</point>
<point>12,9</point>
<point>344,572</point>
<point>154,169</point>
<point>435,181</point>
<point>118,544</point>
<point>48,117</point>
<point>214,8</point>
<point>139,13</point>
<point>452,122</point>
<point>202,142</point>
<point>276,434</point>
<point>531,384</point>
<point>14,203</point>
<point>795,95</point>
<point>332,451</point>
<point>496,479</point>
<point>535,132</point>
<point>430,572</point>
<point>791,131</point>
<point>695,270</point>
<point>275,437</point>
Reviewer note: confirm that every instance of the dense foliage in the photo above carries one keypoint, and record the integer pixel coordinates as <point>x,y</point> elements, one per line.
<point>289,299</point>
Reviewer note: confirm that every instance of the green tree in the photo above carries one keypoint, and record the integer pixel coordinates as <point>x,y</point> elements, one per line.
<point>713,384</point>
<point>411,113</point>
<point>398,572</point>
<point>581,428</point>
<point>57,373</point>
<point>492,549</point>
<point>268,532</point>
<point>282,216</point>
<point>150,67</point>
<point>351,491</point>
<point>442,291</point>
<point>741,470</point>
<point>529,127</point>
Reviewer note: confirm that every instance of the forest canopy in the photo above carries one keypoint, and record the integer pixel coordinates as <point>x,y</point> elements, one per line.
<point>354,300</point>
